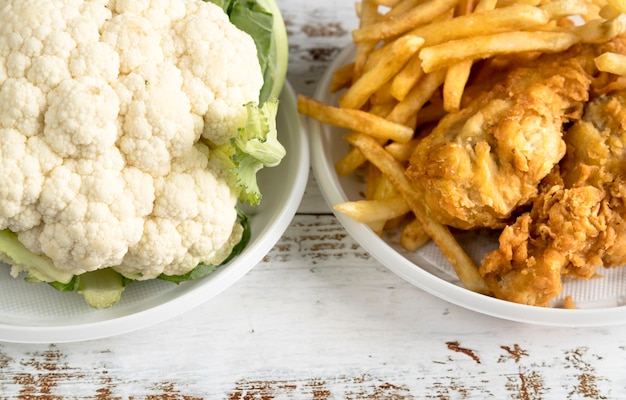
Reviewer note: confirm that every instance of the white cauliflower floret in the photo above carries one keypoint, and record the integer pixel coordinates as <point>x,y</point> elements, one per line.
<point>183,217</point>
<point>102,106</point>
<point>158,121</point>
<point>136,41</point>
<point>205,82</point>
<point>22,104</point>
<point>24,164</point>
<point>96,215</point>
<point>86,28</point>
<point>59,44</point>
<point>17,64</point>
<point>48,71</point>
<point>95,59</point>
<point>81,119</point>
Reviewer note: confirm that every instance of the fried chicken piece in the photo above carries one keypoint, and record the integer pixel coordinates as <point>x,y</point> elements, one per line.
<point>577,223</point>
<point>481,164</point>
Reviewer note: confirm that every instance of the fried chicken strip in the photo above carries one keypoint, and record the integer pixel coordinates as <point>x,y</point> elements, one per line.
<point>481,164</point>
<point>577,222</point>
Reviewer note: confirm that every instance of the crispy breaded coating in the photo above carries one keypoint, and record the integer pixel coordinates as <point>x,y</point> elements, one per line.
<point>481,164</point>
<point>577,223</point>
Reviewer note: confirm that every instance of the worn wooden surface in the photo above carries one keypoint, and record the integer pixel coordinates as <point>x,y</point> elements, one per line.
<point>319,319</point>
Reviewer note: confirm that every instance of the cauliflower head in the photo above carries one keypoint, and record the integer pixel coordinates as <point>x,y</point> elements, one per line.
<point>111,116</point>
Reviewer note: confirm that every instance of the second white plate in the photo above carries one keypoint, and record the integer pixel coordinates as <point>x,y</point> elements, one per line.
<point>428,269</point>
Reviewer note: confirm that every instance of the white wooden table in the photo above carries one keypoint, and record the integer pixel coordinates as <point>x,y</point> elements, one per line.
<point>319,319</point>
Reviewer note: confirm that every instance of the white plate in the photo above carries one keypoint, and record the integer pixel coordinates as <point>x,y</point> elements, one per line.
<point>429,270</point>
<point>37,313</point>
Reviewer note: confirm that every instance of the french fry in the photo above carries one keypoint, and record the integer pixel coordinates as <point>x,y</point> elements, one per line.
<point>371,182</point>
<point>354,159</point>
<point>395,222</point>
<point>378,226</point>
<point>384,191</point>
<point>367,16</point>
<point>376,56</point>
<point>378,187</point>
<point>406,78</point>
<point>465,7</point>
<point>363,52</point>
<point>413,236</point>
<point>564,8</point>
<point>350,162</point>
<point>600,31</point>
<point>401,7</point>
<point>373,79</point>
<point>430,113</point>
<point>458,74</point>
<point>356,120</point>
<point>418,15</point>
<point>366,211</point>
<point>454,85</point>
<point>514,18</point>
<point>417,97</point>
<point>412,72</point>
<point>464,266</point>
<point>342,78</point>
<point>384,188</point>
<point>382,109</point>
<point>383,96</point>
<point>446,54</point>
<point>611,62</point>
<point>401,151</point>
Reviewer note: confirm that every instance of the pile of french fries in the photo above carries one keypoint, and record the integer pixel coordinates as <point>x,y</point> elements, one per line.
<point>412,65</point>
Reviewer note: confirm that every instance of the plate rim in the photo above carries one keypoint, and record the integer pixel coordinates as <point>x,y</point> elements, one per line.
<point>333,193</point>
<point>284,211</point>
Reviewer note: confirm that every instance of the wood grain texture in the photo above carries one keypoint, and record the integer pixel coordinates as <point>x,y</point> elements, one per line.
<point>320,319</point>
<point>318,31</point>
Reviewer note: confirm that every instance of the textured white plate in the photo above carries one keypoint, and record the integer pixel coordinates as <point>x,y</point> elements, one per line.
<point>599,301</point>
<point>37,313</point>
